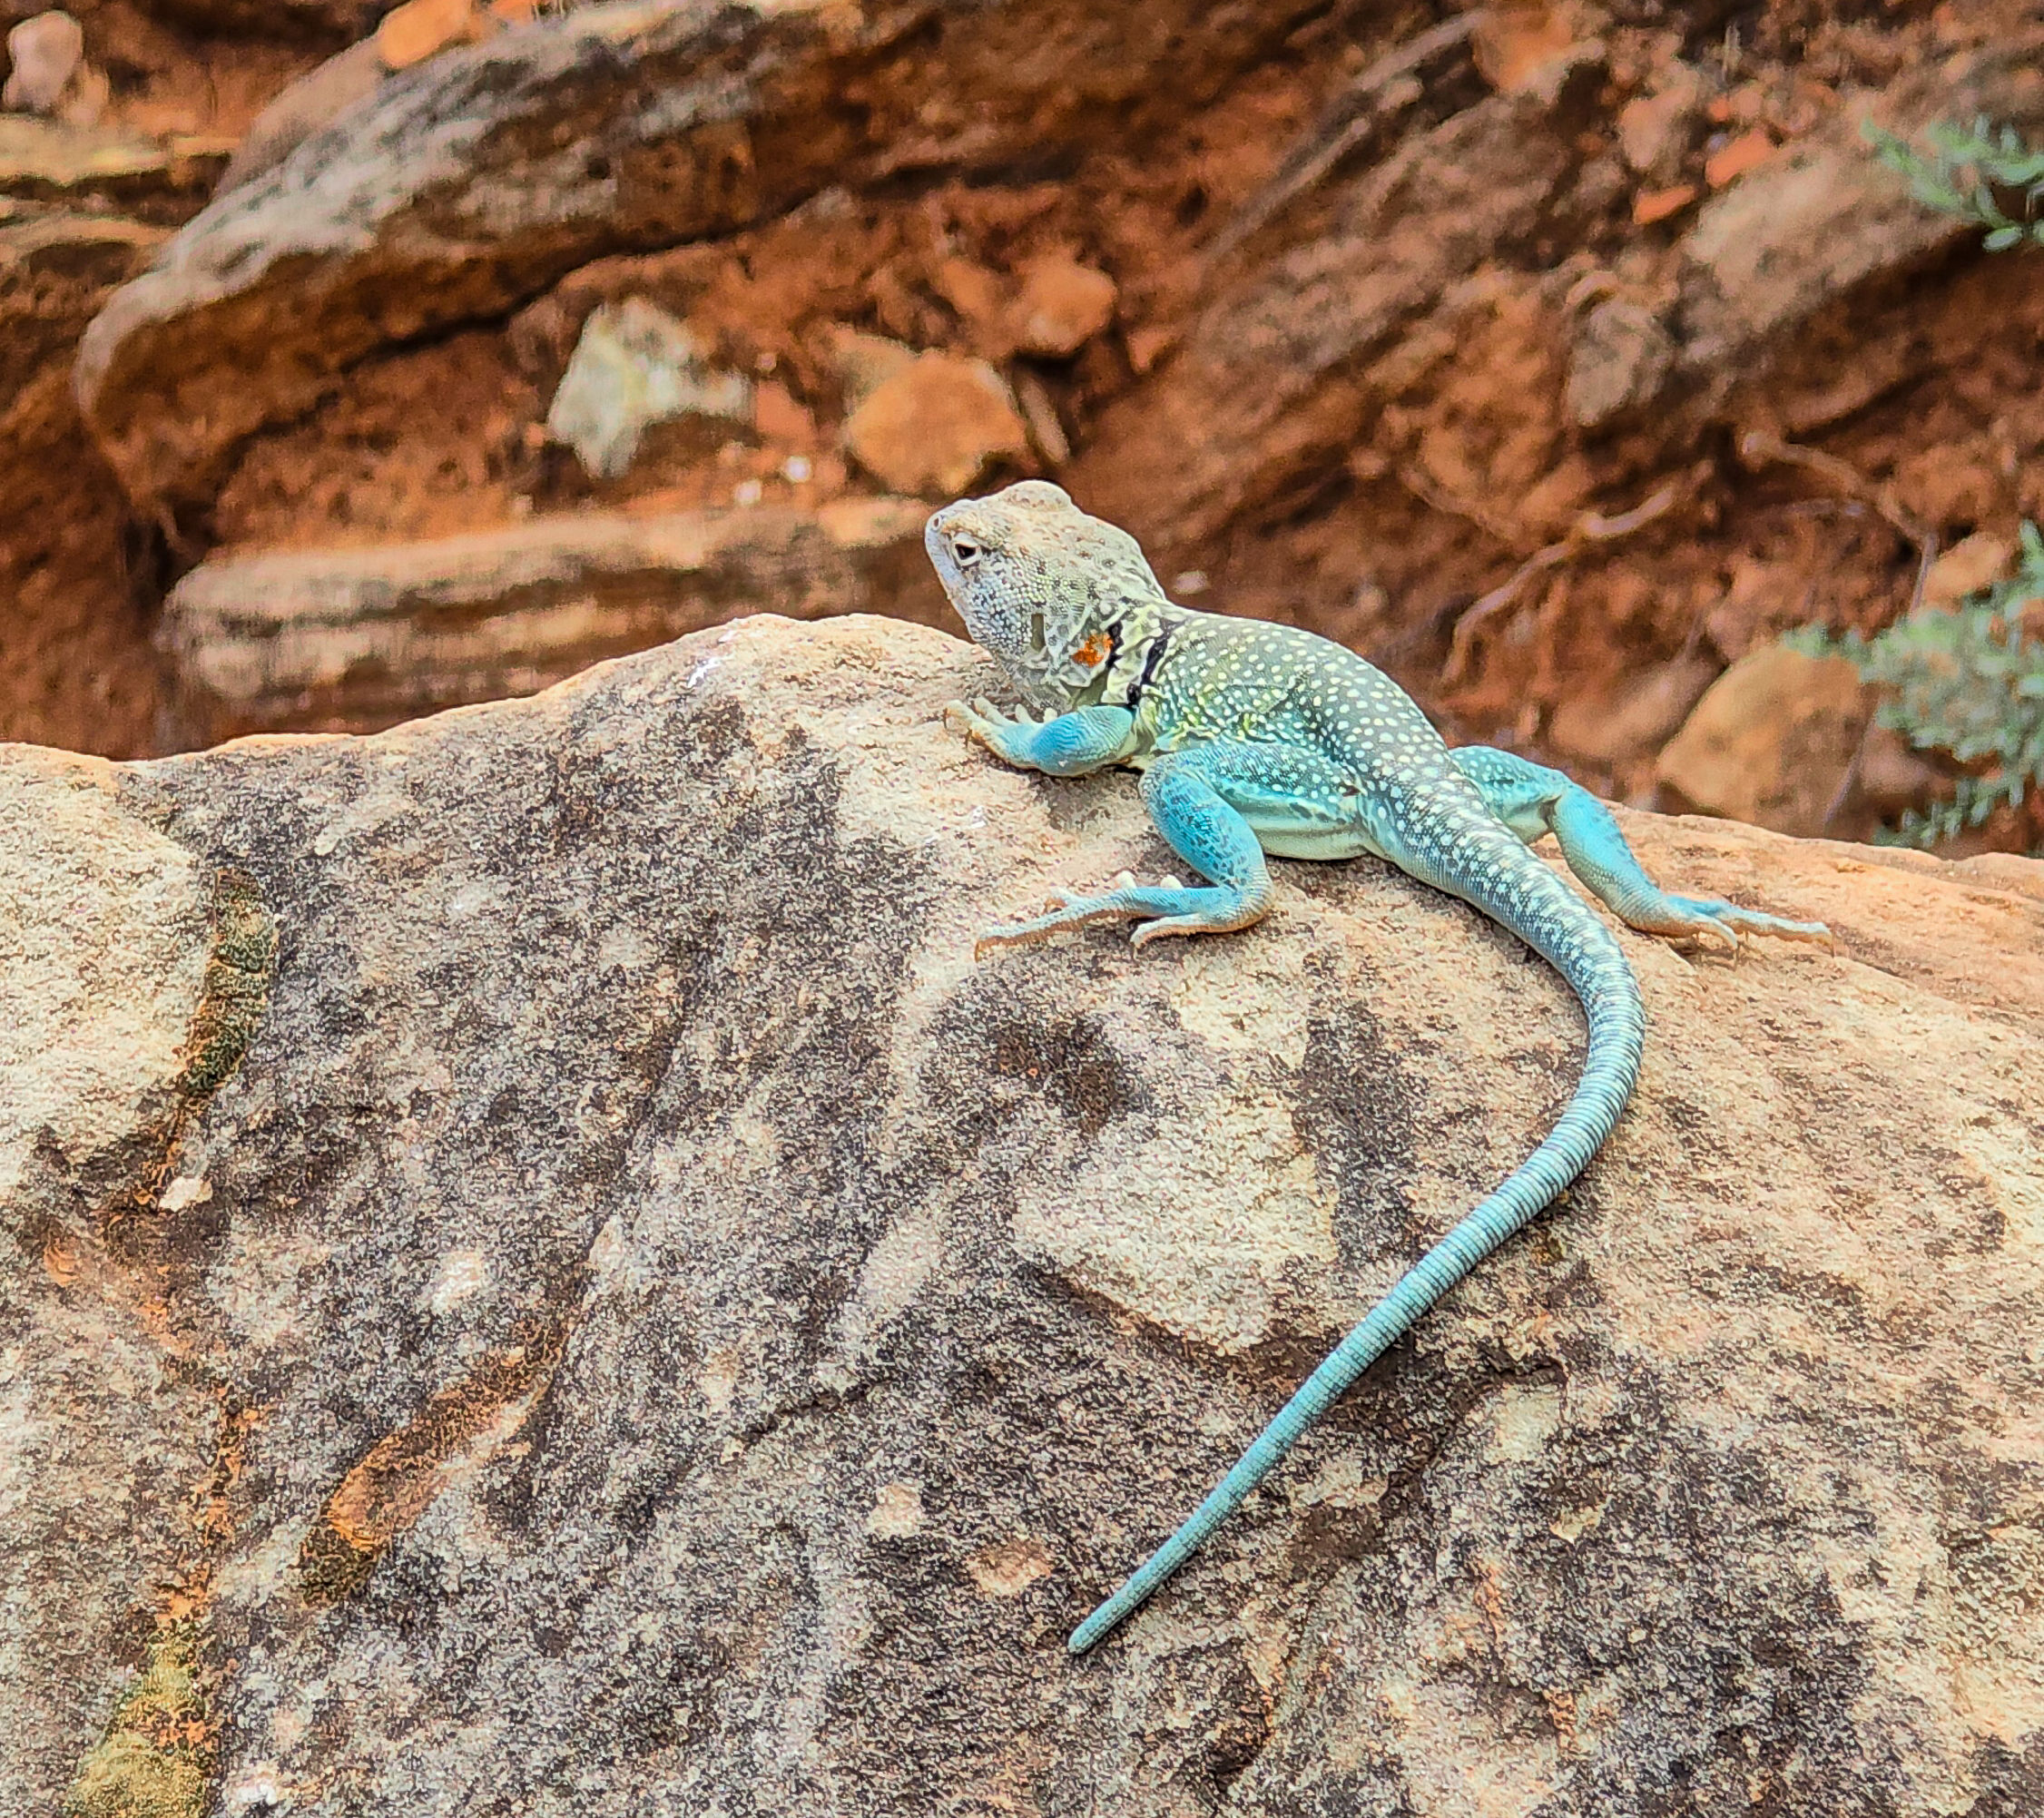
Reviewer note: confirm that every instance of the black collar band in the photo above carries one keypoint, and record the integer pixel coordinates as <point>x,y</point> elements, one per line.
<point>1151,658</point>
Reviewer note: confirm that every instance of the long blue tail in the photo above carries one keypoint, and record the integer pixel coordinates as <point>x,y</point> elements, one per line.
<point>1584,952</point>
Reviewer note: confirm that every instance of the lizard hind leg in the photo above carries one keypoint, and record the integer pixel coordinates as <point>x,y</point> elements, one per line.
<point>1599,854</point>
<point>1532,800</point>
<point>1208,834</point>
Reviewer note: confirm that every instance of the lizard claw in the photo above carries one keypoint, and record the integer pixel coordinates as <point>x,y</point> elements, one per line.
<point>1001,716</point>
<point>1702,919</point>
<point>959,718</point>
<point>1710,933</point>
<point>1021,934</point>
<point>982,719</point>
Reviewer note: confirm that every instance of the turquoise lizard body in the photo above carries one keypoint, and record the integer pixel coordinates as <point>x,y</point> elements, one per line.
<point>1255,738</point>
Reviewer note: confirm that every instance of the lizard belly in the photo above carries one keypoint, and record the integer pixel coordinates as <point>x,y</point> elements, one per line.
<point>1299,802</point>
<point>1302,841</point>
<point>1303,827</point>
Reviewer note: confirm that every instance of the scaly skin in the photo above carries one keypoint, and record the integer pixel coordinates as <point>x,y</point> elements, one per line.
<point>1255,738</point>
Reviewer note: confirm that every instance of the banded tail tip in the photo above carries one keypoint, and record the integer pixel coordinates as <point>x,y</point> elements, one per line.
<point>1087,1633</point>
<point>1108,1617</point>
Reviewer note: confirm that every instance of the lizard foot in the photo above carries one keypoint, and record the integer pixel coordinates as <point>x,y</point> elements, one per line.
<point>1167,909</point>
<point>1712,918</point>
<point>983,721</point>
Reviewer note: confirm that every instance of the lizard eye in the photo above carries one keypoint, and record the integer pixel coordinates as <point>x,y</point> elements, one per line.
<point>965,552</point>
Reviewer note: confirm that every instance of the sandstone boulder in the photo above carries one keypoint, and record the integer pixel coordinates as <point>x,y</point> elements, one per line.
<point>1639,715</point>
<point>1062,304</point>
<point>1657,130</point>
<point>419,29</point>
<point>635,366</point>
<point>543,1278</point>
<point>49,161</point>
<point>1051,307</point>
<point>934,426</point>
<point>353,640</point>
<point>55,265</point>
<point>44,54</point>
<point>1288,363</point>
<point>1620,355</point>
<point>1772,740</point>
<point>1971,565</point>
<point>864,362</point>
<point>318,98</point>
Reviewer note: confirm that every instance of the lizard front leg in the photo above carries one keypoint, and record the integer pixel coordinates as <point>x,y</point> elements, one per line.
<point>1204,831</point>
<point>1216,805</point>
<point>1072,744</point>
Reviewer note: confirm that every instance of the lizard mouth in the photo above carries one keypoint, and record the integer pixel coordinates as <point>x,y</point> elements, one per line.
<point>938,545</point>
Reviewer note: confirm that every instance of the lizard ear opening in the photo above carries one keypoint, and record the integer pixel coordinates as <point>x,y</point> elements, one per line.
<point>1036,632</point>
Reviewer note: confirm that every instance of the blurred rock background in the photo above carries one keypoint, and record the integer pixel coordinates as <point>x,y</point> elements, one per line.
<point>356,361</point>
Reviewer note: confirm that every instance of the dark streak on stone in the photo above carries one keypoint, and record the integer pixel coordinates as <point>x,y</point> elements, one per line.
<point>395,1481</point>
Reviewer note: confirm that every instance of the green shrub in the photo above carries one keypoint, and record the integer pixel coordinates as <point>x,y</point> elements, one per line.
<point>1966,174</point>
<point>1968,681</point>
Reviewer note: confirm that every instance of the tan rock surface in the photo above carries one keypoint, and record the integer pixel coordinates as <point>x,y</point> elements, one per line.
<point>1772,740</point>
<point>935,426</point>
<point>354,640</point>
<point>650,1325</point>
<point>104,1436</point>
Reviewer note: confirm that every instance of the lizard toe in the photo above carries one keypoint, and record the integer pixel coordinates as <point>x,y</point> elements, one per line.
<point>1711,933</point>
<point>1017,934</point>
<point>1729,920</point>
<point>969,722</point>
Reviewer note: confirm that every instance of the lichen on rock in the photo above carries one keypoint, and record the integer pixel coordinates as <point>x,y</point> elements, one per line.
<point>155,1760</point>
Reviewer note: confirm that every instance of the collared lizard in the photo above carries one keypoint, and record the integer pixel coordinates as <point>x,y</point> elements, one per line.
<point>1255,738</point>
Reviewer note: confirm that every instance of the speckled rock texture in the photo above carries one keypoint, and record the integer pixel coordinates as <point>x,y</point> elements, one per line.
<point>545,1280</point>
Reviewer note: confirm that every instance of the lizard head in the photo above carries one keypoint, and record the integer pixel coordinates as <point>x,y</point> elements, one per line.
<point>1065,604</point>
